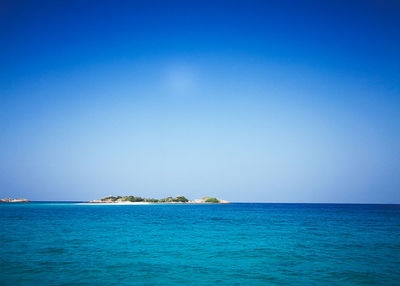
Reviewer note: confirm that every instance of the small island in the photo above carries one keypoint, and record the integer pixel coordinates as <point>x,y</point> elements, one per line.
<point>132,200</point>
<point>8,200</point>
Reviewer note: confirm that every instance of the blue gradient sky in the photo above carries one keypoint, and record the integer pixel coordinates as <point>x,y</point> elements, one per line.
<point>266,101</point>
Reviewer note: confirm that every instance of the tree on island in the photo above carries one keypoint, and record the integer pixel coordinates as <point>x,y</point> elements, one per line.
<point>212,200</point>
<point>181,199</point>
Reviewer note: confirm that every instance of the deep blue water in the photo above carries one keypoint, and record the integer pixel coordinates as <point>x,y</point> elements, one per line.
<point>235,244</point>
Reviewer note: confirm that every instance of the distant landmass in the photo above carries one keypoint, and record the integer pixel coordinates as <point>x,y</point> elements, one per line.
<point>8,200</point>
<point>168,200</point>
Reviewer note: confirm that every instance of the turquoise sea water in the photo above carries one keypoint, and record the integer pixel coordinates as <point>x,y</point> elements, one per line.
<point>235,244</point>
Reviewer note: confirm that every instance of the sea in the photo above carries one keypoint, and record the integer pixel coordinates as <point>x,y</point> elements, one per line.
<point>50,243</point>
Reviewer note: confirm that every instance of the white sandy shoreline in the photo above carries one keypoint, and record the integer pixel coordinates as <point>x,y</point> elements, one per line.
<point>131,200</point>
<point>142,203</point>
<point>119,203</point>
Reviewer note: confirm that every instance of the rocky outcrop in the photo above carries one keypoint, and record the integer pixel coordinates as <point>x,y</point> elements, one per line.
<point>8,200</point>
<point>133,199</point>
<point>168,200</point>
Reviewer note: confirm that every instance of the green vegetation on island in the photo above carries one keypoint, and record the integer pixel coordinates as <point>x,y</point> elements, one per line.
<point>212,200</point>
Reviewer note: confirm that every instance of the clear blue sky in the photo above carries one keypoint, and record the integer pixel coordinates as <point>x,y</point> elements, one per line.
<point>267,101</point>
